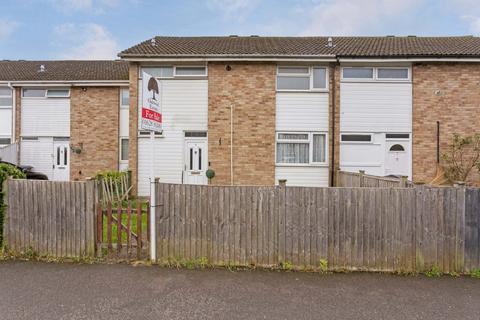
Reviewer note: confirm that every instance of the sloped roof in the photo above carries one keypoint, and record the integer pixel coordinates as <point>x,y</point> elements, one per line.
<point>461,46</point>
<point>65,70</point>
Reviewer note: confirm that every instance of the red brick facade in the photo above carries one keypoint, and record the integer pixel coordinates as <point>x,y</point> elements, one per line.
<point>94,118</point>
<point>250,90</point>
<point>449,93</point>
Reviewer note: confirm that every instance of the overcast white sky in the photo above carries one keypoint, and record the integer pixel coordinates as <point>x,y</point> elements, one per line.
<point>99,29</point>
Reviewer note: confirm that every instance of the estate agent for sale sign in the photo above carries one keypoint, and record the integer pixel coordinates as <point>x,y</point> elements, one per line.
<point>151,106</point>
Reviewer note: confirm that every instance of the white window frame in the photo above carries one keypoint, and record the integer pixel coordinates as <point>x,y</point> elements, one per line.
<point>357,134</point>
<point>189,75</point>
<point>124,106</point>
<point>309,74</point>
<point>398,139</point>
<point>375,77</point>
<point>393,79</point>
<point>60,97</point>
<point>45,96</point>
<point>11,96</point>
<point>120,150</point>
<point>359,79</point>
<point>140,71</point>
<point>174,72</point>
<point>308,141</point>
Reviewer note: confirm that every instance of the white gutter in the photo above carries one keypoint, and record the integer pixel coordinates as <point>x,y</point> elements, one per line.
<point>68,83</point>
<point>313,59</point>
<point>376,60</point>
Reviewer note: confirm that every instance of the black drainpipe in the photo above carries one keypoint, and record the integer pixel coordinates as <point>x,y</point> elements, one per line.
<point>438,142</point>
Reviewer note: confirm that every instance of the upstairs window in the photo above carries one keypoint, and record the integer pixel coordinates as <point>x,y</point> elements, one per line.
<point>58,93</point>
<point>34,93</point>
<point>190,71</point>
<point>124,98</point>
<point>392,73</point>
<point>301,78</point>
<point>158,72</point>
<point>6,97</point>
<point>46,93</point>
<point>358,73</point>
<point>376,73</point>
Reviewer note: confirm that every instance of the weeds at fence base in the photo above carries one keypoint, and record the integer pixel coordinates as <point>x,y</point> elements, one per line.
<point>475,273</point>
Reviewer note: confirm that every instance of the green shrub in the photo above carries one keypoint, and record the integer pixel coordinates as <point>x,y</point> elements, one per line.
<point>434,272</point>
<point>6,171</point>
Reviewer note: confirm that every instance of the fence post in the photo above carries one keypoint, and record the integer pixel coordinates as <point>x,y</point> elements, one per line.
<point>403,182</point>
<point>361,178</point>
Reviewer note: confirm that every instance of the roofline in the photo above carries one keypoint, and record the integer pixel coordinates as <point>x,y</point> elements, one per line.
<point>206,58</point>
<point>73,83</point>
<point>406,59</point>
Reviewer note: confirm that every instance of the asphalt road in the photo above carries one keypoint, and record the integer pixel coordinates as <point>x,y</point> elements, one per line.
<point>31,290</point>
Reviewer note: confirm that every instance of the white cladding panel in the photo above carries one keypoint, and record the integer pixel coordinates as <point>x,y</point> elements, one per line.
<point>299,111</point>
<point>184,108</point>
<point>6,122</point>
<point>375,107</point>
<point>303,176</point>
<point>302,111</point>
<point>45,117</point>
<point>39,154</point>
<point>124,116</point>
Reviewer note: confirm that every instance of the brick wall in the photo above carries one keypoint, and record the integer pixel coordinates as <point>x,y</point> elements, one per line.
<point>449,93</point>
<point>250,88</point>
<point>94,121</point>
<point>133,129</point>
<point>334,141</point>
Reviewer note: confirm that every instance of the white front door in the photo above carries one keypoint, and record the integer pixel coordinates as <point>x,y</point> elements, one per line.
<point>397,158</point>
<point>196,161</point>
<point>61,160</point>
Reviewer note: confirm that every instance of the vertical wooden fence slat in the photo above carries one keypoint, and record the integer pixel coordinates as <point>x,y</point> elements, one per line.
<point>99,229</point>
<point>129,221</point>
<point>109,227</point>
<point>139,231</point>
<point>119,229</point>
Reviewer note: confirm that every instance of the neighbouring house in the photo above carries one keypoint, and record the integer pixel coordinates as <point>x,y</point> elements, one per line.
<point>260,109</point>
<point>68,119</point>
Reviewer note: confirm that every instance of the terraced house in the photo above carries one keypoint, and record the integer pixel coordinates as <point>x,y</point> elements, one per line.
<point>260,109</point>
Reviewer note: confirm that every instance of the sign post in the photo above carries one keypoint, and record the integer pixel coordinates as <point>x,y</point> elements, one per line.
<point>151,121</point>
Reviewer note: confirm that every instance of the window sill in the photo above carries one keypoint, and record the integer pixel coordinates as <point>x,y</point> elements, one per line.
<point>301,165</point>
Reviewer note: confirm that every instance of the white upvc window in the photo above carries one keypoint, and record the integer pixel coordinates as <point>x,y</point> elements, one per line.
<point>301,148</point>
<point>158,72</point>
<point>45,93</point>
<point>168,72</point>
<point>124,145</point>
<point>6,97</point>
<point>124,98</point>
<point>190,71</point>
<point>356,138</point>
<point>390,74</point>
<point>302,78</point>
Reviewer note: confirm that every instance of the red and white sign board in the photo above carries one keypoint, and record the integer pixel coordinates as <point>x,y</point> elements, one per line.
<point>151,106</point>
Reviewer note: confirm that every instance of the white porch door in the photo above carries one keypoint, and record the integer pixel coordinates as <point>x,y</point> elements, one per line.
<point>61,161</point>
<point>196,161</point>
<point>397,158</point>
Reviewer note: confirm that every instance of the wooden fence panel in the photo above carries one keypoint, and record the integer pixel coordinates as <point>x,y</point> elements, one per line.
<point>472,229</point>
<point>386,229</point>
<point>54,219</point>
